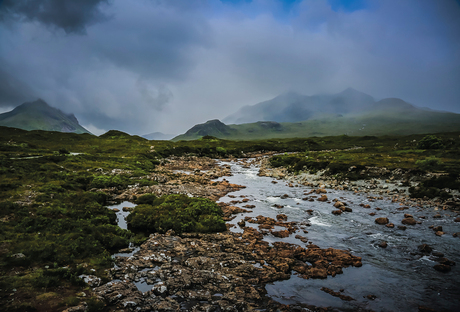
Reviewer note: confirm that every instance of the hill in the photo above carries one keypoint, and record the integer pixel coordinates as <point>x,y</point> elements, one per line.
<point>38,115</point>
<point>390,117</point>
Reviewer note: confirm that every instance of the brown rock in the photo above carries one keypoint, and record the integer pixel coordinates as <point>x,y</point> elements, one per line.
<point>409,221</point>
<point>383,244</point>
<point>402,227</point>
<point>323,198</point>
<point>425,248</point>
<point>442,268</point>
<point>437,228</point>
<point>406,215</point>
<point>337,212</point>
<point>372,214</point>
<point>382,221</point>
<point>457,219</point>
<point>390,225</point>
<point>439,233</point>
<point>281,217</point>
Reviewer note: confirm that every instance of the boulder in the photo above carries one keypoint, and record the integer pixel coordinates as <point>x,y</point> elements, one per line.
<point>382,221</point>
<point>409,221</point>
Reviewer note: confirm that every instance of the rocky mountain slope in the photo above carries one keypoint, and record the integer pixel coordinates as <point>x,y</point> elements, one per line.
<point>38,115</point>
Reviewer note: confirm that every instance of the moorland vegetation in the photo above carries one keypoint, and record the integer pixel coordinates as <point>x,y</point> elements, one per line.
<point>54,220</point>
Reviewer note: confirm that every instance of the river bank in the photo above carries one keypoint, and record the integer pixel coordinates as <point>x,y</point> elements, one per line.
<point>236,270</point>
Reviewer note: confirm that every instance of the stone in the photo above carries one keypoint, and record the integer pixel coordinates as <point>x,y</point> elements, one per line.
<point>457,219</point>
<point>383,244</point>
<point>323,198</point>
<point>425,248</point>
<point>382,221</point>
<point>390,225</point>
<point>442,268</point>
<point>437,228</point>
<point>402,227</point>
<point>337,212</point>
<point>408,221</point>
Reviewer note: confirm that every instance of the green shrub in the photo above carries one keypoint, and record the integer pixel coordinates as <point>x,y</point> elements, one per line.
<point>430,163</point>
<point>430,142</point>
<point>177,212</point>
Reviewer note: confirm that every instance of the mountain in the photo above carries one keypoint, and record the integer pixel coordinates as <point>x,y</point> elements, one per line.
<point>39,115</point>
<point>158,136</point>
<point>213,128</point>
<point>386,117</point>
<point>294,107</point>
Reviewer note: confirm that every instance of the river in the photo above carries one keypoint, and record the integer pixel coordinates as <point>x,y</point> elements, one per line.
<point>395,278</point>
<point>399,276</point>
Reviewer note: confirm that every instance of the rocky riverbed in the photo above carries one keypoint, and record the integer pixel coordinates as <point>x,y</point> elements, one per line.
<point>238,270</point>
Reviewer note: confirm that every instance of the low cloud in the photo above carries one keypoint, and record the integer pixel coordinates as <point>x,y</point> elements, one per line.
<point>70,15</point>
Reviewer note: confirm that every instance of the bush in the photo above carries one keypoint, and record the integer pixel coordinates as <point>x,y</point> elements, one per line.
<point>430,142</point>
<point>430,163</point>
<point>177,212</point>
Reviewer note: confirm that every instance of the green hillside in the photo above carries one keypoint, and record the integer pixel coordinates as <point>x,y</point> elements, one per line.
<point>39,115</point>
<point>383,121</point>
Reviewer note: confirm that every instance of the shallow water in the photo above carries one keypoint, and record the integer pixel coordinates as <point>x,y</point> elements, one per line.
<point>399,276</point>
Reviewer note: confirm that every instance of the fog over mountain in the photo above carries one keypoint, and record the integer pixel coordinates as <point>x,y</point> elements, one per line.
<point>164,66</point>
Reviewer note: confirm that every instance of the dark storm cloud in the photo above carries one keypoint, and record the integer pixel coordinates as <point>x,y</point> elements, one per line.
<point>165,65</point>
<point>70,15</point>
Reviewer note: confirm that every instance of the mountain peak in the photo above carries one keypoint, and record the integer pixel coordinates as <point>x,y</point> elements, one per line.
<point>39,115</point>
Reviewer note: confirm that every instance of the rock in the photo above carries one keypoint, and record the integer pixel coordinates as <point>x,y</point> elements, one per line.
<point>437,216</point>
<point>390,225</point>
<point>115,209</point>
<point>442,268</point>
<point>372,214</point>
<point>382,221</point>
<point>439,233</point>
<point>409,221</point>
<point>402,227</point>
<point>438,254</point>
<point>457,234</point>
<point>425,248</point>
<point>281,217</point>
<point>241,223</point>
<point>126,209</point>
<point>323,198</point>
<point>278,206</point>
<point>338,204</point>
<point>383,244</point>
<point>371,297</point>
<point>406,215</point>
<point>437,228</point>
<point>337,212</point>
<point>336,294</point>
<point>457,219</point>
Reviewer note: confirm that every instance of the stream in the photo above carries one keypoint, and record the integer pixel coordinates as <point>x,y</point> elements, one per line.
<point>396,278</point>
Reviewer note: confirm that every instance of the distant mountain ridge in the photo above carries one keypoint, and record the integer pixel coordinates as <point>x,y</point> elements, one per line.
<point>38,115</point>
<point>347,113</point>
<point>295,107</point>
<point>158,136</point>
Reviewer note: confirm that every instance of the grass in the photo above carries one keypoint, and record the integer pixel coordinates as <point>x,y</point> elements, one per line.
<point>53,207</point>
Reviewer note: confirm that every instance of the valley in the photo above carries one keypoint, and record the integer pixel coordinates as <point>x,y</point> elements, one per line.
<point>285,202</point>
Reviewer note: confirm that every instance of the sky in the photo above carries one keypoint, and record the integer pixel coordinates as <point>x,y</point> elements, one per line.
<point>143,66</point>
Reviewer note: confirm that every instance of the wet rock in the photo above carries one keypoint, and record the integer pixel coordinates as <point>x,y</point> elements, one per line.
<point>406,215</point>
<point>126,209</point>
<point>338,204</point>
<point>383,244</point>
<point>424,248</point>
<point>409,221</point>
<point>438,254</point>
<point>442,268</point>
<point>115,209</point>
<point>437,228</point>
<point>390,225</point>
<point>402,227</point>
<point>457,219</point>
<point>372,214</point>
<point>457,234</point>
<point>323,198</point>
<point>437,216</point>
<point>278,206</point>
<point>281,217</point>
<point>336,294</point>
<point>371,297</point>
<point>241,223</point>
<point>337,212</point>
<point>439,233</point>
<point>382,221</point>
